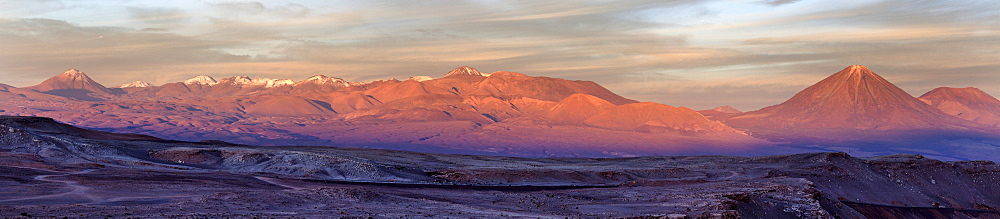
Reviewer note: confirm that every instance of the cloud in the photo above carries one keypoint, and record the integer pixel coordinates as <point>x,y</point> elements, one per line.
<point>45,47</point>
<point>698,54</point>
<point>779,2</point>
<point>28,8</point>
<point>160,18</point>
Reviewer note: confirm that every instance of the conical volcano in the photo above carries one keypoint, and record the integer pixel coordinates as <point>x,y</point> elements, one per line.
<point>464,70</point>
<point>967,103</point>
<point>854,98</point>
<point>72,79</point>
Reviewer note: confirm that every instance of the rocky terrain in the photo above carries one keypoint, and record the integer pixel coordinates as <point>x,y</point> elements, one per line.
<point>50,169</point>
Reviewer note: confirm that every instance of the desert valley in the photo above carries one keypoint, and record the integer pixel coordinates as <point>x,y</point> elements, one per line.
<point>520,146</point>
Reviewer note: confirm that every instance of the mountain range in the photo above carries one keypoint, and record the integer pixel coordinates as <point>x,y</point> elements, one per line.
<point>508,113</point>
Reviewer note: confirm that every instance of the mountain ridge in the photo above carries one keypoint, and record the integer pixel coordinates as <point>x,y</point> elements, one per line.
<point>465,110</point>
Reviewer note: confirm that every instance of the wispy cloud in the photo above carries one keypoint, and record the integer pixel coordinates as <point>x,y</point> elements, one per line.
<point>689,53</point>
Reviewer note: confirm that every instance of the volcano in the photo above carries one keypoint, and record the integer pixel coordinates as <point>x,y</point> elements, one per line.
<point>853,99</point>
<point>466,71</point>
<point>967,103</point>
<point>72,83</point>
<point>71,79</point>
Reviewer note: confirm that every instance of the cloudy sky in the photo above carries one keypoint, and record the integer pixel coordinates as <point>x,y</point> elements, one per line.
<point>699,54</point>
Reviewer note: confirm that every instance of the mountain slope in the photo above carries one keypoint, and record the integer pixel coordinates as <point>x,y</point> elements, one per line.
<point>288,106</point>
<point>967,103</point>
<point>511,84</point>
<point>14,92</point>
<point>655,117</point>
<point>404,89</point>
<point>576,108</point>
<point>854,98</point>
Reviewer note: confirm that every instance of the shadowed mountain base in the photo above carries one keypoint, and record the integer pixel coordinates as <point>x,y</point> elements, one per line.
<point>49,169</point>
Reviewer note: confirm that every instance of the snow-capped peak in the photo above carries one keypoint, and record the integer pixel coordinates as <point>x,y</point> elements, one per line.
<point>319,78</point>
<point>465,70</point>
<point>421,78</point>
<point>136,84</point>
<point>265,82</point>
<point>202,79</point>
<point>72,71</point>
<point>277,82</point>
<point>73,74</point>
<point>324,80</point>
<point>239,80</point>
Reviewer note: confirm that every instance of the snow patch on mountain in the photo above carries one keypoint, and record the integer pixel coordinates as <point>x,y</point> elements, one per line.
<point>421,78</point>
<point>255,82</point>
<point>202,79</point>
<point>135,84</point>
<point>324,80</point>
<point>465,70</point>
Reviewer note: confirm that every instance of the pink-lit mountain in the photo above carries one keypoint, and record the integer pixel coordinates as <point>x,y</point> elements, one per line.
<point>465,111</point>
<point>508,113</point>
<point>858,110</point>
<point>72,79</point>
<point>73,84</point>
<point>854,98</point>
<point>967,103</point>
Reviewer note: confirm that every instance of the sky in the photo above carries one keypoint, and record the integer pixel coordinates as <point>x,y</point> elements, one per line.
<point>697,54</point>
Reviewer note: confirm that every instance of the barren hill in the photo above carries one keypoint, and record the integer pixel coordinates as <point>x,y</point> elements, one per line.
<point>967,103</point>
